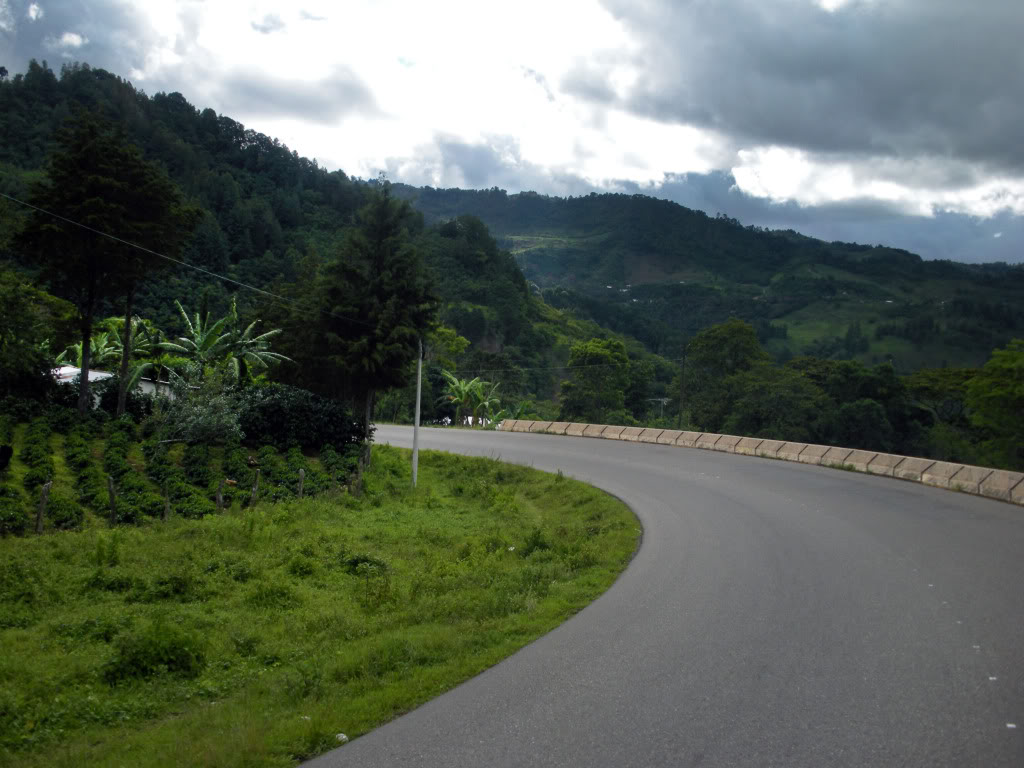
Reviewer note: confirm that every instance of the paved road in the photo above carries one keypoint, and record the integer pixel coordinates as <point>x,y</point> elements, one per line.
<point>777,614</point>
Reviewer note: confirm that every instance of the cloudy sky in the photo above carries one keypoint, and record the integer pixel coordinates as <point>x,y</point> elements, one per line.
<point>880,121</point>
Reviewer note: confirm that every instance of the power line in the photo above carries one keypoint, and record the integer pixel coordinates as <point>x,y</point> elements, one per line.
<point>290,302</point>
<point>179,262</point>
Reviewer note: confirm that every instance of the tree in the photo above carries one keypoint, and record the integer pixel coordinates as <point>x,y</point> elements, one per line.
<point>995,397</point>
<point>30,322</point>
<point>712,356</point>
<point>375,304</point>
<point>3,73</point>
<point>600,376</point>
<point>99,181</point>
<point>774,402</point>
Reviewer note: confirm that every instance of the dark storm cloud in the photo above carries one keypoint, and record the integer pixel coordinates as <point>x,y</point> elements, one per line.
<point>929,78</point>
<point>497,163</point>
<point>324,101</point>
<point>115,35</point>
<point>953,236</point>
<point>119,40</point>
<point>270,23</point>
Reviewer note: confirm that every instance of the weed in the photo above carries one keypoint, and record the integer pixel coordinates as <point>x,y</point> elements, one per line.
<point>158,648</point>
<point>345,609</point>
<point>535,542</point>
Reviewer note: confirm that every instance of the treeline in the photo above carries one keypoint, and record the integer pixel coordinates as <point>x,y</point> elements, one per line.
<point>269,218</point>
<point>659,272</point>
<point>728,383</point>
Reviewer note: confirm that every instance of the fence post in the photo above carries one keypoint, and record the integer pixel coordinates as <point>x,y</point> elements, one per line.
<point>302,480</point>
<point>220,495</point>
<point>43,498</point>
<point>167,502</point>
<point>113,501</point>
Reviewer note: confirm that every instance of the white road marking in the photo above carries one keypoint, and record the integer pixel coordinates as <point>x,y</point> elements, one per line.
<point>1011,725</point>
<point>992,678</point>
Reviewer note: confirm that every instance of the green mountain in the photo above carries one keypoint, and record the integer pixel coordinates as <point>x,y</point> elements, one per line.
<point>270,218</point>
<point>660,272</point>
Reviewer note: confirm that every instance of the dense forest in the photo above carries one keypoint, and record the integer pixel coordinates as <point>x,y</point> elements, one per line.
<point>660,272</point>
<point>605,308</point>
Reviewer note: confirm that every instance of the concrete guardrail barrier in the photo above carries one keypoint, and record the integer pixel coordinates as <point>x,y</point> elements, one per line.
<point>982,481</point>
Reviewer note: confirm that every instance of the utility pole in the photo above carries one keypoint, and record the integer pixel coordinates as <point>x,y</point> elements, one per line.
<point>416,422</point>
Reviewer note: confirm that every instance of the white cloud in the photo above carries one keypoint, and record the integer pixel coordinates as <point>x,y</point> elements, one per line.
<point>543,90</point>
<point>35,12</point>
<point>73,40</point>
<point>784,175</point>
<point>69,40</point>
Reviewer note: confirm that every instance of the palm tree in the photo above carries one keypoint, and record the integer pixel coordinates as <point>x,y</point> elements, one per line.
<point>461,392</point>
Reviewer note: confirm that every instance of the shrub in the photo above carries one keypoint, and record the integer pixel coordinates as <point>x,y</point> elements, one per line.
<point>92,488</point>
<point>158,465</point>
<point>77,452</point>
<point>159,648</point>
<point>197,464</point>
<point>125,426</point>
<point>535,542</point>
<point>19,409</point>
<point>194,506</point>
<point>13,514</point>
<point>65,514</point>
<point>61,419</point>
<point>115,455</point>
<point>38,475</point>
<point>284,416</point>
<point>138,405</point>
<point>36,450</point>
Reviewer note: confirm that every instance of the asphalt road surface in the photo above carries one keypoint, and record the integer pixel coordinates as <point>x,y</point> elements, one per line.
<point>776,614</point>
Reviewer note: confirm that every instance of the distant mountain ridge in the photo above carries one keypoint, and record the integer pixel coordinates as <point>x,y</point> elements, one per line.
<point>660,271</point>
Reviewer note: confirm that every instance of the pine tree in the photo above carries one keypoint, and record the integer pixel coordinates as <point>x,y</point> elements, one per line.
<point>98,180</point>
<point>376,302</point>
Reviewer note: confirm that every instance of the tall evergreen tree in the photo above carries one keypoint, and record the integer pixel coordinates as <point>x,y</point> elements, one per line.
<point>96,179</point>
<point>376,303</point>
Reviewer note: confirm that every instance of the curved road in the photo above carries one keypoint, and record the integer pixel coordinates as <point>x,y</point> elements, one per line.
<point>776,614</point>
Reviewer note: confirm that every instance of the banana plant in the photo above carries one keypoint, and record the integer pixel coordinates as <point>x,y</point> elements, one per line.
<point>102,351</point>
<point>485,401</point>
<point>213,343</point>
<point>461,393</point>
<point>205,343</point>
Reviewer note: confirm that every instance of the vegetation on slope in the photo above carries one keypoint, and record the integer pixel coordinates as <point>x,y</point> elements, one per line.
<point>660,272</point>
<point>254,637</point>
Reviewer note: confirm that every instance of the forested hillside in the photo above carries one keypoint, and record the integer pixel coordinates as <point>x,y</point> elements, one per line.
<point>270,218</point>
<point>661,272</point>
<point>605,308</point>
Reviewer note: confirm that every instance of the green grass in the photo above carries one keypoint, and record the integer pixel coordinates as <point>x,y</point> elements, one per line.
<point>254,637</point>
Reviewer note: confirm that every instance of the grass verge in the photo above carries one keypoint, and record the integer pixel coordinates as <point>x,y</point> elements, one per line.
<point>253,638</point>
